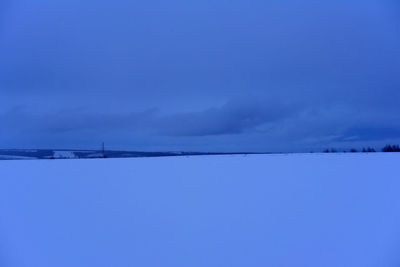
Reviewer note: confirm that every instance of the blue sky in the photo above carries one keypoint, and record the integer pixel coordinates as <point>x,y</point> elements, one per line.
<point>199,75</point>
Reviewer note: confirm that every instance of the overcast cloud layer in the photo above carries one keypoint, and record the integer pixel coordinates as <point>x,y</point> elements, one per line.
<point>199,75</point>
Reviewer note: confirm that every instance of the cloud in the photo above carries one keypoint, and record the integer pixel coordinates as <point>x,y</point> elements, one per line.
<point>245,124</point>
<point>234,117</point>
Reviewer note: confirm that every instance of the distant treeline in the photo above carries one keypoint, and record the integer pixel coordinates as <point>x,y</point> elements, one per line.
<point>387,148</point>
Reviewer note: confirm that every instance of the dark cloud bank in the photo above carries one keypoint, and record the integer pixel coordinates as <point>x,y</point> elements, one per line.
<point>245,126</point>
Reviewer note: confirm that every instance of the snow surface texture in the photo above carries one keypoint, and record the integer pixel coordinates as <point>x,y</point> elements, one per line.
<point>260,210</point>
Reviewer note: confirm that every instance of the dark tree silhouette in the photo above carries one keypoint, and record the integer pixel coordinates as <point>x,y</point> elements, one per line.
<point>391,148</point>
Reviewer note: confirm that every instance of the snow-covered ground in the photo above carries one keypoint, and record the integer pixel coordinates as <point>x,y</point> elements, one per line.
<point>64,154</point>
<point>260,210</point>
